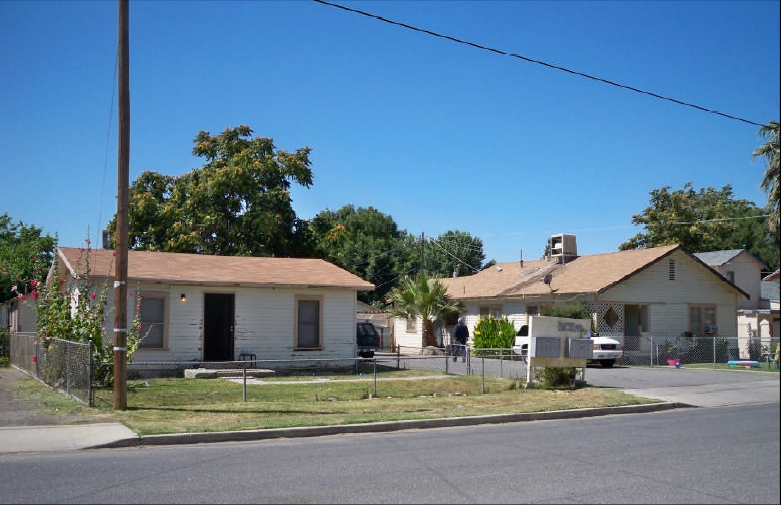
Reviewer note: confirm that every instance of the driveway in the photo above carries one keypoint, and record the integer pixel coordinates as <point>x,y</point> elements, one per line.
<point>693,386</point>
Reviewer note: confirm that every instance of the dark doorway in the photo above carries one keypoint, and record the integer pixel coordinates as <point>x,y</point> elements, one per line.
<point>218,327</point>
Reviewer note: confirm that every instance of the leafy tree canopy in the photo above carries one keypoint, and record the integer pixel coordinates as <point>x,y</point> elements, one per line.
<point>25,255</point>
<point>703,221</point>
<point>237,204</point>
<point>367,243</point>
<point>454,252</point>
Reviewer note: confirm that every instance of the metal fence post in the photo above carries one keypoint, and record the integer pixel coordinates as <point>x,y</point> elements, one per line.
<point>482,382</point>
<point>374,362</point>
<point>67,368</point>
<point>244,387</point>
<point>90,375</point>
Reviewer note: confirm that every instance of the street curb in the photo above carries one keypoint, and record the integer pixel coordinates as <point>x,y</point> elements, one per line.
<point>381,427</point>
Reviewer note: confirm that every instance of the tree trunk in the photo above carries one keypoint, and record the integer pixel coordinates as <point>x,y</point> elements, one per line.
<point>429,339</point>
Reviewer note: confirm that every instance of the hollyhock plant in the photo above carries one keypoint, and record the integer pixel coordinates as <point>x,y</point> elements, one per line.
<point>76,311</point>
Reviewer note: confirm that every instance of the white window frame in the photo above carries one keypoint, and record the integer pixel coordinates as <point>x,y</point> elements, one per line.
<point>145,325</point>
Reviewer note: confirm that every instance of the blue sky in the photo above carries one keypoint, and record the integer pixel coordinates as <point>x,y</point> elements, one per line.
<point>438,135</point>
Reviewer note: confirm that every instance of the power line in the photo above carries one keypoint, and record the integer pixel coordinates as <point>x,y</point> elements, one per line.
<point>454,257</point>
<point>539,62</point>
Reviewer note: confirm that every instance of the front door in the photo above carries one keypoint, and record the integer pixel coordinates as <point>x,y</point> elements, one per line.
<point>218,320</point>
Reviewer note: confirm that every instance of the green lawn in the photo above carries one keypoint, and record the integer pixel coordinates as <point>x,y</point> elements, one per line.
<point>206,405</point>
<point>176,405</point>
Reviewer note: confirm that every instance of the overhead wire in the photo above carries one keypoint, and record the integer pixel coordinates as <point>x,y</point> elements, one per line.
<point>108,136</point>
<point>539,62</point>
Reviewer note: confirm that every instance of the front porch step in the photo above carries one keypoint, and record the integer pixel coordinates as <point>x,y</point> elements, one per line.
<point>211,373</point>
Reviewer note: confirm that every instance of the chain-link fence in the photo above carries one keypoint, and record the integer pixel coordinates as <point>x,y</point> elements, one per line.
<point>686,348</point>
<point>61,364</point>
<point>68,365</point>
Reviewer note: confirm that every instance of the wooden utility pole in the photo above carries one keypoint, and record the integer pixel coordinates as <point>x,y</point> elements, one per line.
<point>123,170</point>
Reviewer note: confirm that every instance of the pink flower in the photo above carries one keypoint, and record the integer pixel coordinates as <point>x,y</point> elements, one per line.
<point>22,297</point>
<point>139,327</point>
<point>92,296</point>
<point>138,307</point>
<point>129,293</point>
<point>88,241</point>
<point>81,249</point>
<point>13,288</point>
<point>33,282</point>
<point>62,281</point>
<point>114,253</point>
<point>34,294</point>
<point>35,359</point>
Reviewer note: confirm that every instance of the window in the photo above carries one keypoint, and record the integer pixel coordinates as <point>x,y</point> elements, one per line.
<point>412,325</point>
<point>534,310</point>
<point>495,312</point>
<point>730,275</point>
<point>701,318</point>
<point>309,318</point>
<point>153,327</point>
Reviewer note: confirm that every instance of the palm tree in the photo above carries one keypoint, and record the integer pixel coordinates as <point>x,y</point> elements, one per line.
<point>424,297</point>
<point>770,184</point>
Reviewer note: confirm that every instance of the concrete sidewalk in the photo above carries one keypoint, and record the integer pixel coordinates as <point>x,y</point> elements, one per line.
<point>66,437</point>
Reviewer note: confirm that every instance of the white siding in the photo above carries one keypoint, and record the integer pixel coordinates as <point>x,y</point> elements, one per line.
<point>264,323</point>
<point>670,299</point>
<point>748,277</point>
<point>408,339</point>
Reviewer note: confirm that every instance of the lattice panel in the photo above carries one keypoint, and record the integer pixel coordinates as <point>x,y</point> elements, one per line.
<point>613,312</point>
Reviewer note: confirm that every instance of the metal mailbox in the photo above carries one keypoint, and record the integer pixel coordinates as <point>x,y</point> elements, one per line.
<point>580,348</point>
<point>545,347</point>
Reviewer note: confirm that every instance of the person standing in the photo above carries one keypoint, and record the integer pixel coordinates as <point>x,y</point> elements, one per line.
<point>461,335</point>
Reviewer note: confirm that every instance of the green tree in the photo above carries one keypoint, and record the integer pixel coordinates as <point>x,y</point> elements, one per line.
<point>705,220</point>
<point>237,204</point>
<point>453,251</point>
<point>366,242</point>
<point>23,250</point>
<point>770,182</point>
<point>424,297</point>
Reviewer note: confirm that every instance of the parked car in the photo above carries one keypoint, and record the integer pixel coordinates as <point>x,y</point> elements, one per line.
<point>606,350</point>
<point>368,339</point>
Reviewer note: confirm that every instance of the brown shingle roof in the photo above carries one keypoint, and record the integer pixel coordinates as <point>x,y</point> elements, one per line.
<point>180,268</point>
<point>585,274</point>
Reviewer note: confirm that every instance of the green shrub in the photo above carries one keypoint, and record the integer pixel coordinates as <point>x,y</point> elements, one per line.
<point>570,310</point>
<point>556,377</point>
<point>490,333</point>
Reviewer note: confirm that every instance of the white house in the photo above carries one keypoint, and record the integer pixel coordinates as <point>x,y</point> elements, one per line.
<point>638,296</point>
<point>218,308</point>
